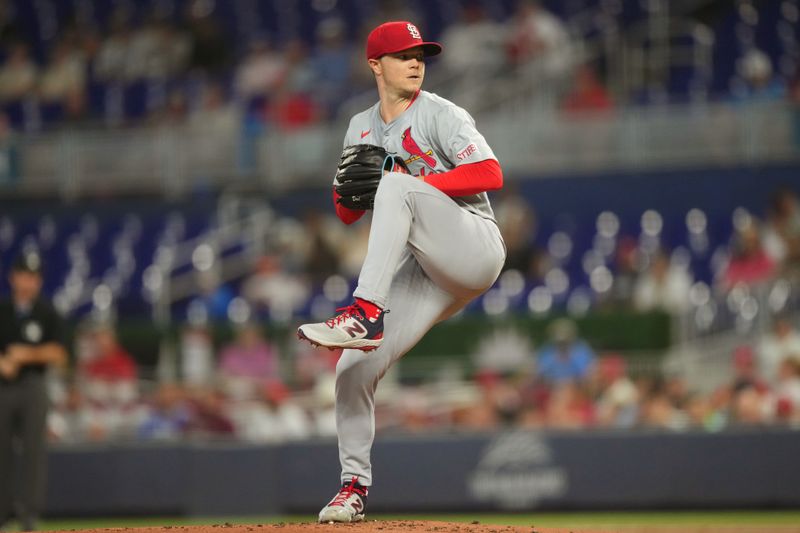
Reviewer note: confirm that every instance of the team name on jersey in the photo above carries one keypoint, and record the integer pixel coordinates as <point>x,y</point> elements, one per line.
<point>466,152</point>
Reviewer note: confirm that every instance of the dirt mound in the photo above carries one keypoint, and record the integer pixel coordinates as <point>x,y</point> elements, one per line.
<point>400,526</point>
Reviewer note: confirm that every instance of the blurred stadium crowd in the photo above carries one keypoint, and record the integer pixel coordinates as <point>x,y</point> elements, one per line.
<point>260,389</point>
<point>244,392</point>
<point>73,63</point>
<point>248,66</point>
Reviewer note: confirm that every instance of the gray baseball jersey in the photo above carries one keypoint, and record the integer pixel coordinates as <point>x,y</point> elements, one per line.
<point>433,135</point>
<point>428,254</point>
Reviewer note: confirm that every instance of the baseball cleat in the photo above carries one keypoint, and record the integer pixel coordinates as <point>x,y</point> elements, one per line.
<point>349,329</point>
<point>349,504</point>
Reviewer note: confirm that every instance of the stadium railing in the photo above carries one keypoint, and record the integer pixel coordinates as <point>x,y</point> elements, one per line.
<point>528,140</point>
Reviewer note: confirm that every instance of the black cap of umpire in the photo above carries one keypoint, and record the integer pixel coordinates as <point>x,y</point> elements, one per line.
<point>27,262</point>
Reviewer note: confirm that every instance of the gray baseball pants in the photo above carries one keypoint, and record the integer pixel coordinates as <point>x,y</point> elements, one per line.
<point>427,258</point>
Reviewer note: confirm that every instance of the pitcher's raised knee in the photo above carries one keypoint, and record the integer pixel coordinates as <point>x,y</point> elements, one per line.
<point>395,183</point>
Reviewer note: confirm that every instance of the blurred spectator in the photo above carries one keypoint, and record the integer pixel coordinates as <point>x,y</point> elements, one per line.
<point>494,401</point>
<point>518,225</point>
<point>144,57</point>
<point>587,94</point>
<point>787,391</point>
<point>478,41</point>
<point>273,417</point>
<point>174,113</point>
<point>214,296</point>
<point>209,416</point>
<point>749,407</point>
<point>415,411</point>
<point>18,75</point>
<point>157,50</point>
<point>749,263</point>
<point>64,77</point>
<point>70,421</point>
<point>745,370</point>
<point>782,343</point>
<point>535,395</point>
<point>9,152</point>
<point>501,397</point>
<point>323,415</point>
<point>110,65</point>
<point>719,408</point>
<point>332,66</point>
<point>291,111</point>
<point>700,412</point>
<point>321,257</point>
<point>760,83</point>
<point>352,255</point>
<point>109,379</point>
<point>85,38</point>
<point>272,288</point>
<point>216,115</point>
<point>659,412</point>
<point>566,357</point>
<point>169,415</point>
<point>539,42</point>
<point>383,10</point>
<point>626,273</point>
<point>249,362</point>
<point>293,105</point>
<point>677,390</point>
<point>260,72</point>
<point>569,407</point>
<point>782,230</point>
<point>311,365</point>
<point>9,32</point>
<point>662,287</point>
<point>197,363</point>
<point>618,401</point>
<point>210,48</point>
<point>503,351</point>
<point>298,75</point>
<point>110,362</point>
<point>214,127</point>
<point>363,80</point>
<point>174,49</point>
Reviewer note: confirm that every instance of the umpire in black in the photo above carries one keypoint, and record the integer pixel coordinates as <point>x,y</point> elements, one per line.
<point>31,339</point>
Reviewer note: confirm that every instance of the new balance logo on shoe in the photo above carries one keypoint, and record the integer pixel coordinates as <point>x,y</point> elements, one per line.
<point>355,329</point>
<point>349,329</point>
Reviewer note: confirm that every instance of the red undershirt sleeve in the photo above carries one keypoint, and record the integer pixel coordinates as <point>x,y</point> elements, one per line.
<point>345,214</point>
<point>465,180</point>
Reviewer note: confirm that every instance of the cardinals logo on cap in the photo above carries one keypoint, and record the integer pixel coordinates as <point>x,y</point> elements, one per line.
<point>413,31</point>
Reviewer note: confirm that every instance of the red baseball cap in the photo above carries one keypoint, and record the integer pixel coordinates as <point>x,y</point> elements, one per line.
<point>391,37</point>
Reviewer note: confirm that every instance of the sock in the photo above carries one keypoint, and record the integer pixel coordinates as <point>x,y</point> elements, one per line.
<point>370,309</point>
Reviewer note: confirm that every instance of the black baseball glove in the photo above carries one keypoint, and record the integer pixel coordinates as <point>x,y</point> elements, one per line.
<point>360,171</point>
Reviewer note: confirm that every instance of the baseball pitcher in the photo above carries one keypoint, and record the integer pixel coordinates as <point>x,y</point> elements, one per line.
<point>418,161</point>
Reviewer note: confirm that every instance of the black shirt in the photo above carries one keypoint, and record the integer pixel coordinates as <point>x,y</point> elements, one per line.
<point>41,325</point>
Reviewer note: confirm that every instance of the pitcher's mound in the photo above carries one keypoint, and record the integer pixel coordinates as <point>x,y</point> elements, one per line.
<point>417,526</point>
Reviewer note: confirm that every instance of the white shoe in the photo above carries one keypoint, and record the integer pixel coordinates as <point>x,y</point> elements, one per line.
<point>349,329</point>
<point>349,504</point>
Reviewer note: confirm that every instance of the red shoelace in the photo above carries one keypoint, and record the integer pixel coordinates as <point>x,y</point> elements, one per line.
<point>346,491</point>
<point>346,312</point>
